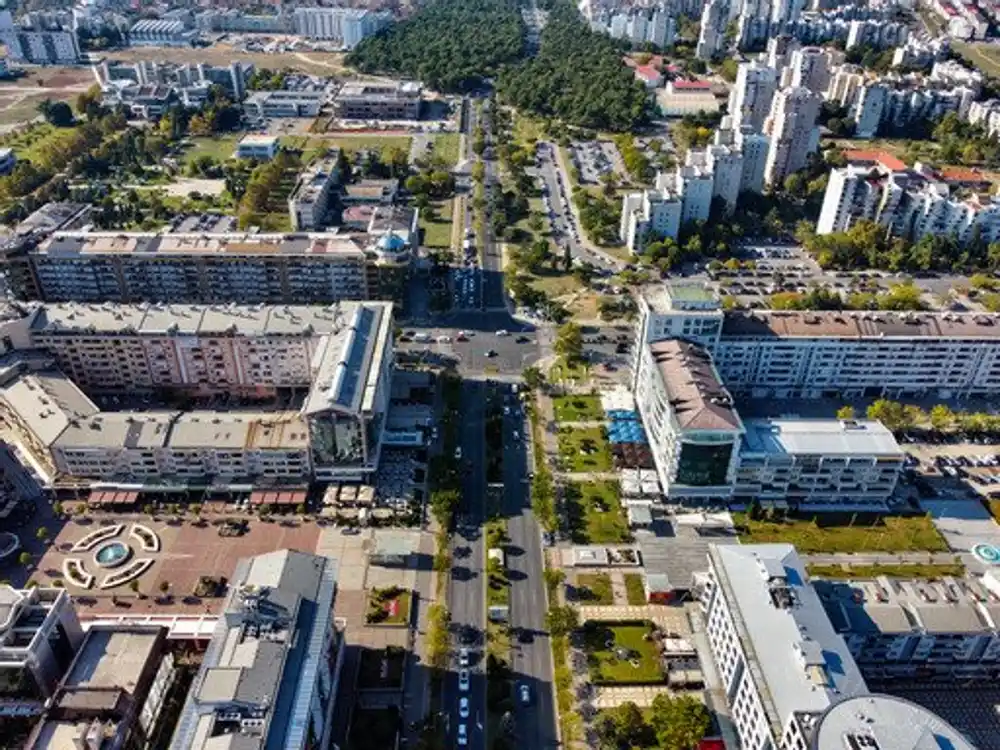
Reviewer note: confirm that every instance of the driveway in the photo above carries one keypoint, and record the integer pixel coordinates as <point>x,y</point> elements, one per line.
<point>964,524</point>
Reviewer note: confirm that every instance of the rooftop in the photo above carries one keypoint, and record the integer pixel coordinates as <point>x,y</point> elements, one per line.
<point>884,158</point>
<point>71,244</point>
<point>883,722</point>
<point>861,325</point>
<point>397,90</point>
<point>819,437</point>
<point>696,394</point>
<point>316,178</point>
<point>798,661</point>
<point>256,139</point>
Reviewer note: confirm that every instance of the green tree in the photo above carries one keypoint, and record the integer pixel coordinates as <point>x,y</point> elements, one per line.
<point>562,620</point>
<point>680,722</point>
<point>444,503</point>
<point>569,342</point>
<point>25,558</point>
<point>533,377</point>
<point>892,414</point>
<point>41,533</point>
<point>941,417</point>
<point>59,114</point>
<point>845,412</point>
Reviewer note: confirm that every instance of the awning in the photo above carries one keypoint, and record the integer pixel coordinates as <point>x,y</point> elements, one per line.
<point>274,497</point>
<point>113,497</point>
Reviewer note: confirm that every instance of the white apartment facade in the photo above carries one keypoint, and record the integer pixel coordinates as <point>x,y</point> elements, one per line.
<point>793,133</point>
<point>810,69</point>
<point>652,211</point>
<point>751,96</point>
<point>309,202</point>
<point>852,194</point>
<point>40,45</point>
<point>348,26</point>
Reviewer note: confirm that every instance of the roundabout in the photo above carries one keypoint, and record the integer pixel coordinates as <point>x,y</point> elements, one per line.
<point>113,552</point>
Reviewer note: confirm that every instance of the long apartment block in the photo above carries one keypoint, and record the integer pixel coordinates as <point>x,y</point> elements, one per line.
<point>337,360</point>
<point>301,268</point>
<point>785,354</point>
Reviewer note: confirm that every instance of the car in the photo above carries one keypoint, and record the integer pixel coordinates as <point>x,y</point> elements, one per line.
<point>463,680</point>
<point>503,332</point>
<point>524,694</point>
<point>444,339</point>
<point>491,353</point>
<point>463,707</point>
<point>458,453</point>
<point>350,530</point>
<point>523,340</point>
<point>463,657</point>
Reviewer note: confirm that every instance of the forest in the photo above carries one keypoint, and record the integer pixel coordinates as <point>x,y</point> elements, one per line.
<point>449,45</point>
<point>578,76</point>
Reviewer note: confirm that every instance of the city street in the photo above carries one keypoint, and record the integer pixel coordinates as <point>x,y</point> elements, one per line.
<point>534,724</point>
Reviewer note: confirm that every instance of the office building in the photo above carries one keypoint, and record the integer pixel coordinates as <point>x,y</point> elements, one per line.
<point>258,147</point>
<point>161,33</point>
<point>270,673</point>
<point>189,80</point>
<point>177,267</point>
<point>346,26</point>
<point>693,429</point>
<point>790,681</point>
<point>820,464</point>
<point>39,634</point>
<point>39,40</point>
<point>339,361</point>
<point>750,98</point>
<point>370,101</point>
<point>113,693</point>
<point>263,105</point>
<point>793,133</point>
<point>309,202</point>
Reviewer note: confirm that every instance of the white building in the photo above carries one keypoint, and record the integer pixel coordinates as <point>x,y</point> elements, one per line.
<point>39,634</point>
<point>694,181</point>
<point>161,33</point>
<point>852,193</point>
<point>793,133</point>
<point>348,26</point>
<point>751,95</point>
<point>713,28</point>
<point>790,680</point>
<point>817,464</point>
<point>656,212</point>
<point>263,105</point>
<point>309,203</point>
<point>259,147</point>
<point>809,69</point>
<point>869,107</point>
<point>845,82</point>
<point>271,672</point>
<point>754,148</point>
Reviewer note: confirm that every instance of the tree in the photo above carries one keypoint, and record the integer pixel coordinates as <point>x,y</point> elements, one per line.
<point>196,508</point>
<point>444,503</point>
<point>569,342</point>
<point>554,577</point>
<point>562,620</point>
<point>25,558</point>
<point>57,509</point>
<point>941,417</point>
<point>629,724</point>
<point>148,509</point>
<point>892,414</point>
<point>300,509</point>
<point>680,723</point>
<point>533,378</point>
<point>845,412</point>
<point>41,533</point>
<point>164,586</point>
<point>134,585</point>
<point>59,114</point>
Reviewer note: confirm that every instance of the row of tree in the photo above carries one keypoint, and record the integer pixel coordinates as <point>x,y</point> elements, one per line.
<point>900,417</point>
<point>902,296</point>
<point>450,45</point>
<point>671,723</point>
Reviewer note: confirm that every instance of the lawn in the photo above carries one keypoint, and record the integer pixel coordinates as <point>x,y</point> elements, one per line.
<point>595,589</point>
<point>38,139</point>
<point>220,148</point>
<point>836,532</point>
<point>584,449</point>
<point>642,663</point>
<point>389,606</point>
<point>445,147</point>
<point>561,371</point>
<point>437,230</point>
<point>578,408</point>
<point>900,570</point>
<point>594,513</point>
<point>369,142</point>
<point>635,589</point>
<point>526,129</point>
<point>985,57</point>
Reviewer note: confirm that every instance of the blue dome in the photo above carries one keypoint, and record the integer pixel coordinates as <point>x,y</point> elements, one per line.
<point>391,242</point>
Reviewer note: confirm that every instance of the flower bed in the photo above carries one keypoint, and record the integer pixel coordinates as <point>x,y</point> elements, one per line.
<point>97,536</point>
<point>133,570</point>
<point>148,538</point>
<point>75,573</point>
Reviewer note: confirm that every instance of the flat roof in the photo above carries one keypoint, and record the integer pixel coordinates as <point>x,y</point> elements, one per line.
<point>256,139</point>
<point>884,722</point>
<point>697,397</point>
<point>831,437</point>
<point>798,662</point>
<point>860,325</point>
<point>109,658</point>
<point>327,244</point>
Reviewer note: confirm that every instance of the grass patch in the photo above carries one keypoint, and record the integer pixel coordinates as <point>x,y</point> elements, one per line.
<point>900,570</point>
<point>635,590</point>
<point>594,512</point>
<point>445,147</point>
<point>389,606</point>
<point>37,140</point>
<point>526,129</point>
<point>352,143</point>
<point>584,449</point>
<point>578,408</point>
<point>981,56</point>
<point>220,148</point>
<point>845,532</point>
<point>436,224</point>
<point>594,588</point>
<point>576,372</point>
<point>498,640</point>
<point>606,643</point>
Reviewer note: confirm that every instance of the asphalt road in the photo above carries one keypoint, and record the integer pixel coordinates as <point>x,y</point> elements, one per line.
<point>534,724</point>
<point>466,592</point>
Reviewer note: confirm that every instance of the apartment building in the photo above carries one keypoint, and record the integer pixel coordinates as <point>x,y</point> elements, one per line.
<point>309,202</point>
<point>639,25</point>
<point>809,68</point>
<point>111,74</point>
<point>258,147</point>
<point>711,34</point>
<point>793,132</point>
<point>751,95</point>
<point>271,671</point>
<point>693,428</point>
<point>39,40</point>
<point>346,26</point>
<point>39,634</point>
<point>852,194</point>
<point>161,33</point>
<point>114,691</point>
<point>899,631</point>
<point>339,361</point>
<point>790,680</point>
<point>817,464</point>
<point>382,101</point>
<point>178,267</point>
<point>650,213</point>
<point>264,105</point>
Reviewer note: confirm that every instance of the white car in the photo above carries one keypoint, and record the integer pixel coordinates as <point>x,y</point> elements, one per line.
<point>463,680</point>
<point>463,735</point>
<point>463,708</point>
<point>444,339</point>
<point>463,657</point>
<point>503,332</point>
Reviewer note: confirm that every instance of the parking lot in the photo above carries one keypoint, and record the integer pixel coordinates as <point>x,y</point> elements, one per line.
<point>593,159</point>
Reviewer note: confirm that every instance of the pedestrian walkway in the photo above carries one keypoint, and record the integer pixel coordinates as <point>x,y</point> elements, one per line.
<point>640,695</point>
<point>666,618</point>
<point>618,591</point>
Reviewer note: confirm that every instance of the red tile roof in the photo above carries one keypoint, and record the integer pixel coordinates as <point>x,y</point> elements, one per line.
<point>691,85</point>
<point>887,160</point>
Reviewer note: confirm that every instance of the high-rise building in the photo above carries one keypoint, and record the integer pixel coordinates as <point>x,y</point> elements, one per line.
<point>751,95</point>
<point>754,148</point>
<point>869,108</point>
<point>655,212</point>
<point>852,194</point>
<point>810,69</point>
<point>345,25</point>
<point>39,41</point>
<point>713,28</point>
<point>793,133</point>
